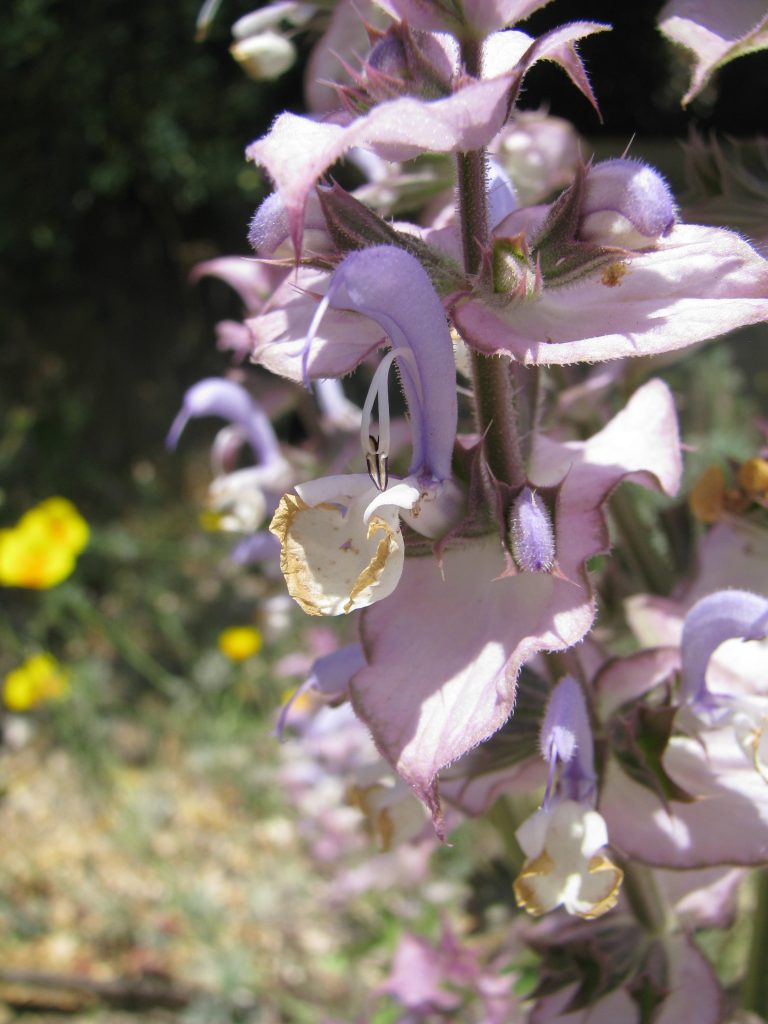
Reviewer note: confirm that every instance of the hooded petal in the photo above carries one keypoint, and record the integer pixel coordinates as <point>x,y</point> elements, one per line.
<point>390,286</point>
<point>217,396</point>
<point>445,650</point>
<point>723,615</point>
<point>698,283</point>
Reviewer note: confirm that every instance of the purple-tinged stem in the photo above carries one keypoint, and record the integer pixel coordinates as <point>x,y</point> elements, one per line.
<point>493,385</point>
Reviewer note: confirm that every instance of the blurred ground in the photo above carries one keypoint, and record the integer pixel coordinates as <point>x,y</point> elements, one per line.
<point>180,887</point>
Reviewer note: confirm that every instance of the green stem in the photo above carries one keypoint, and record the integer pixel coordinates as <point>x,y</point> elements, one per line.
<point>754,992</point>
<point>647,903</point>
<point>493,385</point>
<point>655,573</point>
<point>506,815</point>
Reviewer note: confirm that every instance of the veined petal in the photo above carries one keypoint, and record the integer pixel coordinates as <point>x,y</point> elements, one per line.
<point>298,151</point>
<point>478,16</point>
<point>726,824</point>
<point>254,282</point>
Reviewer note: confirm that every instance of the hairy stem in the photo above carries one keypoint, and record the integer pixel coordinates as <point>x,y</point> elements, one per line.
<point>648,905</point>
<point>493,384</point>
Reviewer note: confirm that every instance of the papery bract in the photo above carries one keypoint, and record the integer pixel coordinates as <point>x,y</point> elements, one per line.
<point>427,701</point>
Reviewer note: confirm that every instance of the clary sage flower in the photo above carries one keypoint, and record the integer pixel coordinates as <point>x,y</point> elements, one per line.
<point>565,839</point>
<point>240,497</point>
<point>342,546</point>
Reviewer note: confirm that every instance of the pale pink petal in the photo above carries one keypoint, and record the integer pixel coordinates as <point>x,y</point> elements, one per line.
<point>417,977</point>
<point>445,649</point>
<point>233,336</point>
<point>297,151</point>
<point>441,681</point>
<point>702,899</point>
<point>697,284</point>
<point>734,553</point>
<point>714,33</point>
<point>640,443</point>
<point>253,281</point>
<point>627,679</point>
<point>474,794</point>
<point>694,993</point>
<point>483,16</point>
<point>342,340</point>
<point>726,824</point>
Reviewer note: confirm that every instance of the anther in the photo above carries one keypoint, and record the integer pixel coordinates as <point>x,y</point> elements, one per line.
<point>377,463</point>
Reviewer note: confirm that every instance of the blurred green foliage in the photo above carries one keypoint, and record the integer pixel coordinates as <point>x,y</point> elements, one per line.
<point>124,142</point>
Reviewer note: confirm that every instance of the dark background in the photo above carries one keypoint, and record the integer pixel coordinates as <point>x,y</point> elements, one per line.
<point>123,165</point>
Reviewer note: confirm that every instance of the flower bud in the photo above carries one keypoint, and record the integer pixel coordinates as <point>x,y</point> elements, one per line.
<point>265,56</point>
<point>533,538</point>
<point>406,62</point>
<point>626,203</point>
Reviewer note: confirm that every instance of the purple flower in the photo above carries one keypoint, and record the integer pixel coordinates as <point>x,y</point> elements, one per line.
<point>626,203</point>
<point>241,497</point>
<point>724,615</point>
<point>342,547</point>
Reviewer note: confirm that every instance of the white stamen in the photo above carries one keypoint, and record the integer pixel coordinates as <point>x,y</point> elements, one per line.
<point>378,393</point>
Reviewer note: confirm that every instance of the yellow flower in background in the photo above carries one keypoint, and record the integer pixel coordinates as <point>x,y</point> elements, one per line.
<point>40,551</point>
<point>58,521</point>
<point>240,642</point>
<point>39,679</point>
